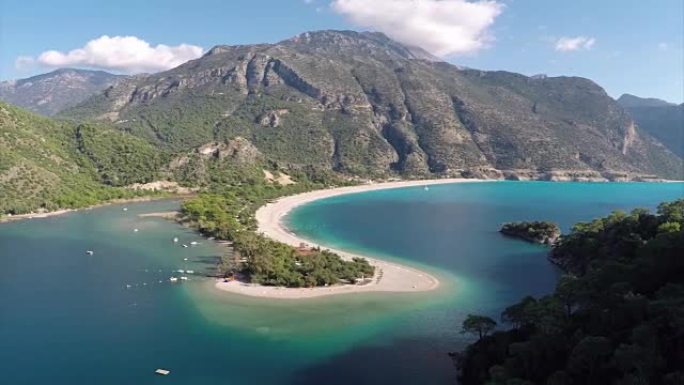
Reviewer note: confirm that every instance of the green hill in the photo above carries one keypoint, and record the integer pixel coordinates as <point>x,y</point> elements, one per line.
<point>47,164</point>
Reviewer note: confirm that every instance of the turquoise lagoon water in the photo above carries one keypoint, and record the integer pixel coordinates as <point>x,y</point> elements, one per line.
<point>69,318</point>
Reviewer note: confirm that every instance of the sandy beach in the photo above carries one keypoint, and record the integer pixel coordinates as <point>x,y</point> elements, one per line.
<point>163,214</point>
<point>35,215</point>
<point>48,214</point>
<point>389,277</point>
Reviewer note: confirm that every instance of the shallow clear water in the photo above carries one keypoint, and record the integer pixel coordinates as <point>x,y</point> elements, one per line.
<point>68,318</point>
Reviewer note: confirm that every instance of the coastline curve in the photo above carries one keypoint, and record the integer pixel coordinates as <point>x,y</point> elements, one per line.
<point>389,276</point>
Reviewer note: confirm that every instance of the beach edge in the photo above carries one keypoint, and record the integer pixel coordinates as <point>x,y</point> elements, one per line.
<point>389,277</point>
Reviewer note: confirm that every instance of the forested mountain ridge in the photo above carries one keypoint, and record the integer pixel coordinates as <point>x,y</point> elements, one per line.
<point>362,104</point>
<point>47,164</point>
<point>55,91</point>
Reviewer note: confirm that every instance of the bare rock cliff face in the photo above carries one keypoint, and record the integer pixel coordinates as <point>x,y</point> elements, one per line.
<point>663,120</point>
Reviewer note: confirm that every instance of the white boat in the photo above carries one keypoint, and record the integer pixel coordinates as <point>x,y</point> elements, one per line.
<point>162,372</point>
<point>181,271</point>
<point>190,271</point>
<point>173,279</point>
<point>175,240</point>
<point>90,252</point>
<point>184,278</point>
<point>194,243</point>
<point>125,209</point>
<point>135,230</point>
<point>185,259</point>
<point>185,245</point>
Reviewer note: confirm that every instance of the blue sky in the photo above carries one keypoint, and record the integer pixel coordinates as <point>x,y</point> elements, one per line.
<point>624,45</point>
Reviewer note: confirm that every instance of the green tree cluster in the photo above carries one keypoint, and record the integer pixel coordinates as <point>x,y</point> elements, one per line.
<point>119,158</point>
<point>536,231</point>
<point>47,164</point>
<point>227,213</point>
<point>617,317</point>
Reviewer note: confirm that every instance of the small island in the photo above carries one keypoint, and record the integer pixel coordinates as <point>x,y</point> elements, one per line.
<point>541,232</point>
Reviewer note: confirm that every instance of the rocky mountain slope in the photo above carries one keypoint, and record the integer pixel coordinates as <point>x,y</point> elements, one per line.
<point>629,101</point>
<point>662,120</point>
<point>363,104</point>
<point>50,93</point>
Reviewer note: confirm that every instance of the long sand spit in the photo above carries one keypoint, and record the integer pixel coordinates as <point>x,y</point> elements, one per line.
<point>389,276</point>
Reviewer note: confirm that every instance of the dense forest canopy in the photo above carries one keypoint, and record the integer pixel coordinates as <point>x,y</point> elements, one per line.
<point>617,317</point>
<point>47,164</point>
<point>228,213</point>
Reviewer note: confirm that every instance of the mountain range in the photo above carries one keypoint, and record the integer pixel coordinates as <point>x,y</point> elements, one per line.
<point>359,104</point>
<point>362,104</point>
<point>663,120</point>
<point>52,92</point>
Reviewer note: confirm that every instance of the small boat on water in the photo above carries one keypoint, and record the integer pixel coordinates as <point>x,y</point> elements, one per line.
<point>175,240</point>
<point>190,271</point>
<point>173,279</point>
<point>194,243</point>
<point>185,259</point>
<point>184,278</point>
<point>185,245</point>
<point>162,372</point>
<point>135,230</point>
<point>181,271</point>
<point>125,209</point>
<point>90,252</point>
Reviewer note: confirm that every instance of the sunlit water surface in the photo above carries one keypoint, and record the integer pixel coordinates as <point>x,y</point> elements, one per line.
<point>69,318</point>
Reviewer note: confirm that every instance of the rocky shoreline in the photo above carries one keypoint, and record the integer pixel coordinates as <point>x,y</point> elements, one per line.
<point>558,175</point>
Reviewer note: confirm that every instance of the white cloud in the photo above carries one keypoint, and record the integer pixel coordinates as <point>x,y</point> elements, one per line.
<point>566,44</point>
<point>127,54</point>
<point>24,63</point>
<point>442,27</point>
